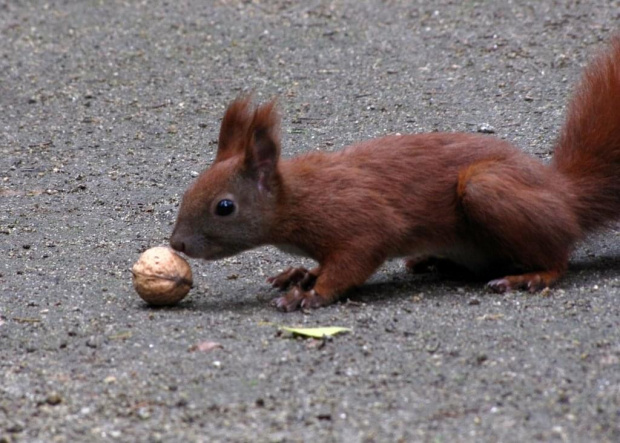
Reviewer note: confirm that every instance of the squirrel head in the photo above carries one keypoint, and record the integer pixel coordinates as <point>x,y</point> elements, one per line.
<point>228,208</point>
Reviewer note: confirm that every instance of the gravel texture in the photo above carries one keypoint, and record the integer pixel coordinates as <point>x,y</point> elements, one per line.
<point>108,111</point>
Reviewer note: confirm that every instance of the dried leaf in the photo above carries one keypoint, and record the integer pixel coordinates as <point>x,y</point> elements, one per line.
<point>205,346</point>
<point>121,336</point>
<point>327,331</point>
<point>27,320</point>
<point>490,317</point>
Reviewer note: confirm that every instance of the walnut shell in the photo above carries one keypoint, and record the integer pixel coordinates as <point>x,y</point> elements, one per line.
<point>161,277</point>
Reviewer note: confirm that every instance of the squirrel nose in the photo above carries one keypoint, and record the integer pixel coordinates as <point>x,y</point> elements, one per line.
<point>177,243</point>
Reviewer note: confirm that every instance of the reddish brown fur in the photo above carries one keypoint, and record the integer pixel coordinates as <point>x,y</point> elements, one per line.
<point>234,129</point>
<point>589,144</point>
<point>470,199</point>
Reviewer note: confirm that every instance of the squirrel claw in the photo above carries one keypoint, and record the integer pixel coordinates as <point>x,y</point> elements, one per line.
<point>297,298</point>
<point>284,304</point>
<point>500,285</point>
<point>532,282</point>
<point>292,276</point>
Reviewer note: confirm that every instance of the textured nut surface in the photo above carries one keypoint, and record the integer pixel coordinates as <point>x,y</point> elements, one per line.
<point>161,277</point>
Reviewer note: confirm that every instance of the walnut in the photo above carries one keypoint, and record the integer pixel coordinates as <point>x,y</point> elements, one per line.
<point>161,277</point>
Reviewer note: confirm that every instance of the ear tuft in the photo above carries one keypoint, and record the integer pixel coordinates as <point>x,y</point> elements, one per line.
<point>263,152</point>
<point>266,132</point>
<point>234,131</point>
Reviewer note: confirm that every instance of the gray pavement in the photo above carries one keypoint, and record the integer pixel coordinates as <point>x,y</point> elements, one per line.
<point>108,109</point>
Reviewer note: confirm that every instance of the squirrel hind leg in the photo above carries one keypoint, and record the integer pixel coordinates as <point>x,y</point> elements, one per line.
<point>519,218</point>
<point>531,281</point>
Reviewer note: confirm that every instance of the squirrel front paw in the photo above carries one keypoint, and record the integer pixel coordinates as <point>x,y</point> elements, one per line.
<point>297,298</point>
<point>293,276</point>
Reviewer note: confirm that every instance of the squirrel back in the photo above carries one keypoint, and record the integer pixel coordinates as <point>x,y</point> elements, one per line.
<point>588,149</point>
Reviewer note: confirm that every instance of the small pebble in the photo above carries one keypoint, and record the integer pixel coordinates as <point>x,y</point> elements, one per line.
<point>486,128</point>
<point>15,427</point>
<point>53,398</point>
<point>143,413</point>
<point>93,341</point>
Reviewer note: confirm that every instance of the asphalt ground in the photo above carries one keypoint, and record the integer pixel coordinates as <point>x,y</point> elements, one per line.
<point>108,110</point>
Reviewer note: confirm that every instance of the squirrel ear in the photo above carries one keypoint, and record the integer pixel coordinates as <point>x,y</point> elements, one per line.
<point>234,129</point>
<point>263,151</point>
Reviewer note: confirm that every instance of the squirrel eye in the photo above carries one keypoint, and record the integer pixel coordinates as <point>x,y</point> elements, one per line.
<point>225,207</point>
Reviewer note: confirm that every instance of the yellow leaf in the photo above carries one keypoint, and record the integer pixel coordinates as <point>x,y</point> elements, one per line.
<point>316,332</point>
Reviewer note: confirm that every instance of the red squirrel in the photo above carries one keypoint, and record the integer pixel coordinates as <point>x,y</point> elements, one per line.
<point>469,199</point>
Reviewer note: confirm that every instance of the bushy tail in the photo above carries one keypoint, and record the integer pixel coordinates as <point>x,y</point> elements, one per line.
<point>588,150</point>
